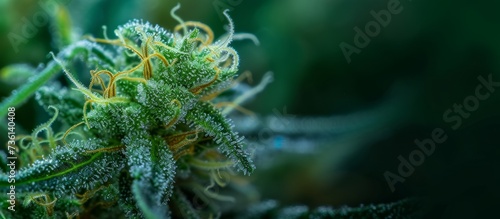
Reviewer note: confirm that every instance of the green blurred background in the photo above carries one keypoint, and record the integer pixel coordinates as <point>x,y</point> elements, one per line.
<point>365,113</point>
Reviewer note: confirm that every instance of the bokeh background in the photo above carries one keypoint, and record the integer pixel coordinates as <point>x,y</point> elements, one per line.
<point>333,127</point>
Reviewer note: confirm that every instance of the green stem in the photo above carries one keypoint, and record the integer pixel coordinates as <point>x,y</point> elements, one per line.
<point>26,91</point>
<point>22,94</point>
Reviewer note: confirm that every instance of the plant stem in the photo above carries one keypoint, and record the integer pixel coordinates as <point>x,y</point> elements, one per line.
<point>22,94</point>
<point>27,90</point>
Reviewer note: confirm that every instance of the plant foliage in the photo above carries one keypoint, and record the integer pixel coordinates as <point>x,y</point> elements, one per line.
<point>145,131</point>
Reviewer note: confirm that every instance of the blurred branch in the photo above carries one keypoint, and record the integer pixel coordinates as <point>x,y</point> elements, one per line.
<point>407,208</point>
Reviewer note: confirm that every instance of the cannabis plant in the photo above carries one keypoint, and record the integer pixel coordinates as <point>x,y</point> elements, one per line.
<point>144,137</point>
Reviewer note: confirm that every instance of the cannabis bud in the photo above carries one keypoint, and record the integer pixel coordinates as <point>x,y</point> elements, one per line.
<point>144,135</point>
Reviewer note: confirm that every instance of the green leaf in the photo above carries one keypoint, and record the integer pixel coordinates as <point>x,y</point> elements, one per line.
<point>153,170</point>
<point>209,119</point>
<point>68,170</point>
